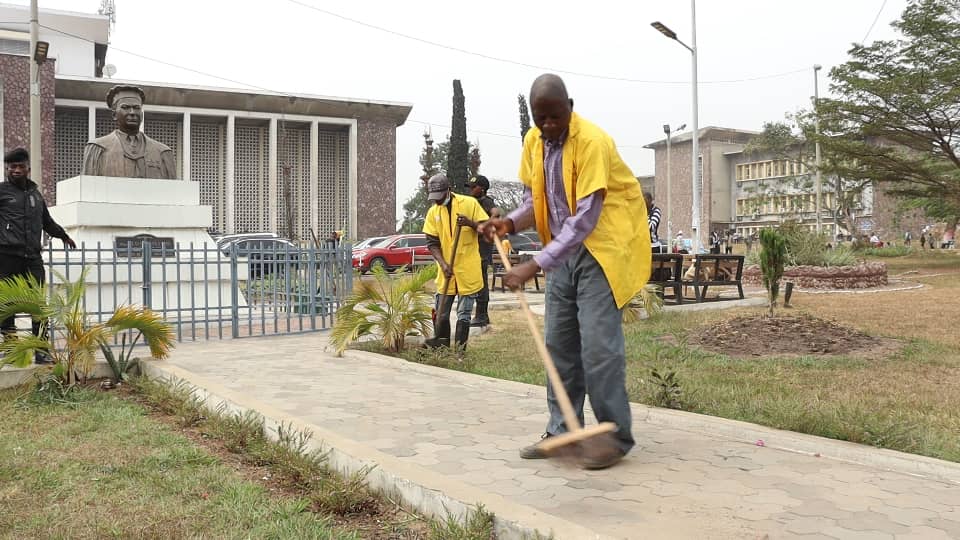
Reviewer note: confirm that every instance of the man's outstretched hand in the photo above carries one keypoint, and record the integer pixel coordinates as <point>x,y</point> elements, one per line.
<point>520,274</point>
<point>68,242</point>
<point>501,226</point>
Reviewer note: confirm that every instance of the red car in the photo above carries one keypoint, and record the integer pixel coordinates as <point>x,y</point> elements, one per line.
<point>391,253</point>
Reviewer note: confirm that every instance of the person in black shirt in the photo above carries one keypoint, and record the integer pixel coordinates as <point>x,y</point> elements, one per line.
<point>23,219</point>
<point>478,186</point>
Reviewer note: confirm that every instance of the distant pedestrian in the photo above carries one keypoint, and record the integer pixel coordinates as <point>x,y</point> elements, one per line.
<point>727,243</point>
<point>923,240</point>
<point>478,186</point>
<point>907,237</point>
<point>653,221</point>
<point>715,243</point>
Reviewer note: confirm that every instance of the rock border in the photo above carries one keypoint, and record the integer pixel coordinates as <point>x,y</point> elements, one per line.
<point>864,275</point>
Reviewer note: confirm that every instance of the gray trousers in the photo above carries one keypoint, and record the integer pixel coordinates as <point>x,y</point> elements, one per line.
<point>584,334</point>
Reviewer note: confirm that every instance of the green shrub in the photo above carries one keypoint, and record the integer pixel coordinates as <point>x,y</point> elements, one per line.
<point>889,251</point>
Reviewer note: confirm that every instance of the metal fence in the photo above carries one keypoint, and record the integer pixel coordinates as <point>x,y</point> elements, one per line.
<point>206,293</point>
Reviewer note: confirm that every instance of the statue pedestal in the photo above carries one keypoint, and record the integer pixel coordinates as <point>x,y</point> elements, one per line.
<point>99,209</point>
<point>182,274</point>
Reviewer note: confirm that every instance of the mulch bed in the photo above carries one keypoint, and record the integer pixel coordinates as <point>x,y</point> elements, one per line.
<point>789,335</point>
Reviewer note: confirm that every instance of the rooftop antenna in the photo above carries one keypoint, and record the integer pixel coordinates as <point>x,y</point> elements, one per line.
<point>109,9</point>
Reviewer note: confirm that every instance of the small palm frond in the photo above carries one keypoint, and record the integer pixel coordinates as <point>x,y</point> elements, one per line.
<point>23,294</point>
<point>648,300</point>
<point>18,350</point>
<point>156,333</point>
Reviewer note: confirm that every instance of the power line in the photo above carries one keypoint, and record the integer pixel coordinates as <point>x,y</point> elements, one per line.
<point>875,19</point>
<point>525,64</point>
<point>283,94</point>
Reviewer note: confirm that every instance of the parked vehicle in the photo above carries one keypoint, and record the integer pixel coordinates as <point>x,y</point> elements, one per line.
<point>524,241</point>
<point>265,256</point>
<point>391,253</point>
<point>369,242</point>
<point>227,239</point>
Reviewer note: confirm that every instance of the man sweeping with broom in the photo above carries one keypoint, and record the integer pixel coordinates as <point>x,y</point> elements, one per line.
<point>451,230</point>
<point>590,213</point>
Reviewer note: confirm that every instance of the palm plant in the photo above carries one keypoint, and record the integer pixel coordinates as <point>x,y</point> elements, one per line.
<point>388,308</point>
<point>648,299</point>
<point>773,256</point>
<point>62,307</point>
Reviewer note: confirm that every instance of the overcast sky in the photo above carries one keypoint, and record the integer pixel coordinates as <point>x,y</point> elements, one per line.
<point>284,45</point>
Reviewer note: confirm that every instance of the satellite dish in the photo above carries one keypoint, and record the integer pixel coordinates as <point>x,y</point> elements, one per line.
<point>109,70</point>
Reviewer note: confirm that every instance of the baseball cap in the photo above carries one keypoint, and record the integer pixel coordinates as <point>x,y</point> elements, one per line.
<point>437,186</point>
<point>479,180</point>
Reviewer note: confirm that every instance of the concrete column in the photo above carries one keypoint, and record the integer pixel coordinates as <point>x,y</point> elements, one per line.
<point>352,173</point>
<point>272,198</point>
<point>91,122</point>
<point>315,178</point>
<point>230,186</point>
<point>185,150</point>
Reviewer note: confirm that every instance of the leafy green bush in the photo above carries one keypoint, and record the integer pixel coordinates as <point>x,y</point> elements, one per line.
<point>841,255</point>
<point>773,255</point>
<point>889,251</point>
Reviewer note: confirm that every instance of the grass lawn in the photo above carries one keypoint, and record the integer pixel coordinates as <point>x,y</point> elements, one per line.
<point>908,400</point>
<point>108,466</point>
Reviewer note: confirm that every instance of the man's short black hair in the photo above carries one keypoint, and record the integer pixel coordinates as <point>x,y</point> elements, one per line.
<point>17,155</point>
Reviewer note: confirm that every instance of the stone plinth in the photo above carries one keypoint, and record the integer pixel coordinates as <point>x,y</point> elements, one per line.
<point>190,274</point>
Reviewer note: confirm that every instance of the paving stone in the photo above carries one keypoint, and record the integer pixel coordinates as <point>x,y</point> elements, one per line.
<point>871,521</point>
<point>925,533</point>
<point>952,528</point>
<point>808,524</point>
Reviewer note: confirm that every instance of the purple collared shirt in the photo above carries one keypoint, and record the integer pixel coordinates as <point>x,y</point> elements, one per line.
<point>568,231</point>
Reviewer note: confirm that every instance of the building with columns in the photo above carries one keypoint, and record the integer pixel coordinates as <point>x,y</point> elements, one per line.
<point>289,163</point>
<point>744,192</point>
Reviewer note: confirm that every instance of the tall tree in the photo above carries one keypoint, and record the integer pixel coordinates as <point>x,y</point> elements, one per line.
<point>895,115</point>
<point>432,159</point>
<point>524,117</point>
<point>793,140</point>
<point>458,165</point>
<point>415,208</point>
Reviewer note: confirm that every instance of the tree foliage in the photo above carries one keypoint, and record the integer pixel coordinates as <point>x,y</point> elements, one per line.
<point>432,159</point>
<point>896,115</point>
<point>508,195</point>
<point>773,256</point>
<point>793,140</point>
<point>524,117</point>
<point>458,162</point>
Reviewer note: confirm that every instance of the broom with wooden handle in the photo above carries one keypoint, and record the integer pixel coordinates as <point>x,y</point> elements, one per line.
<point>578,440</point>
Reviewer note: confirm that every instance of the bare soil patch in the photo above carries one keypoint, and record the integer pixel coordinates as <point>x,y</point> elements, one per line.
<point>799,334</point>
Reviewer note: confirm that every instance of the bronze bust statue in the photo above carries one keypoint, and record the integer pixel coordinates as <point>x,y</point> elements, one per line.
<point>127,152</point>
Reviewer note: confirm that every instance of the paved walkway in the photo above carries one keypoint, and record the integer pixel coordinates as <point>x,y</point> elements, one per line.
<point>444,436</point>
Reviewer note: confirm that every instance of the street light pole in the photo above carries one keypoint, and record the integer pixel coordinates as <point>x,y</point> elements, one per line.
<point>695,129</point>
<point>669,132</point>
<point>816,124</point>
<point>36,164</point>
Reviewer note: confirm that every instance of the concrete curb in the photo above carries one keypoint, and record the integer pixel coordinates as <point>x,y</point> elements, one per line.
<point>423,490</point>
<point>11,377</point>
<point>736,430</point>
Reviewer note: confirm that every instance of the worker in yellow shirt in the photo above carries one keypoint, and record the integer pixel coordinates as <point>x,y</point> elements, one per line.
<point>449,213</point>
<point>589,211</point>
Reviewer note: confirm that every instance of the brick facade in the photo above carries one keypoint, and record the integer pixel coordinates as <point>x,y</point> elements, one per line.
<point>15,72</point>
<point>376,177</point>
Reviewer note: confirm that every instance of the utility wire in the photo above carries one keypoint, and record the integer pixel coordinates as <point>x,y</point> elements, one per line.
<point>525,64</point>
<point>875,19</point>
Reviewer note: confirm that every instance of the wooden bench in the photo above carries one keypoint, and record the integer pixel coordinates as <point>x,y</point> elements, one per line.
<point>499,271</point>
<point>714,270</point>
<point>667,272</point>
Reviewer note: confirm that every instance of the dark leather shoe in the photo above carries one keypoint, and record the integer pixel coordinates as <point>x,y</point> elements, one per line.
<point>533,451</point>
<point>600,459</point>
<point>41,358</point>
